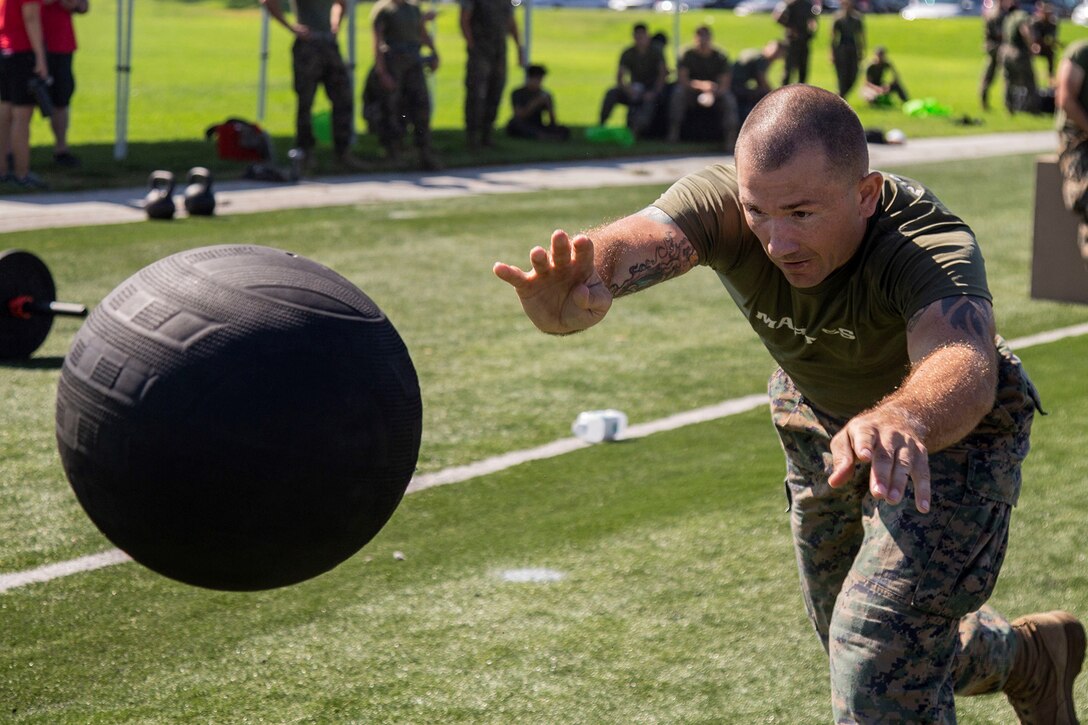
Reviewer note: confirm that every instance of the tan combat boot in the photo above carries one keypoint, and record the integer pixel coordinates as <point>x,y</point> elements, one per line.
<point>1048,659</point>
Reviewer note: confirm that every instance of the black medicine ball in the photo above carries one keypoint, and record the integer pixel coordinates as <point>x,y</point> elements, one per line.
<point>238,417</point>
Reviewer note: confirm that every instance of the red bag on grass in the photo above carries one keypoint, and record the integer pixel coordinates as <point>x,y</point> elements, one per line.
<point>238,140</point>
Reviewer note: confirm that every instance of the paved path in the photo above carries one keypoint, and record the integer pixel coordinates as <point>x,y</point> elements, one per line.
<point>37,211</point>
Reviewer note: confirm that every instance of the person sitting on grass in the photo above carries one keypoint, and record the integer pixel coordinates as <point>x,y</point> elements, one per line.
<point>882,80</point>
<point>534,110</point>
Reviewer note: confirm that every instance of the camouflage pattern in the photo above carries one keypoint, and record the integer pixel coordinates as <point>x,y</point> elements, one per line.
<point>1073,163</point>
<point>1021,91</point>
<point>485,78</point>
<point>388,113</point>
<point>314,62</point>
<point>896,596</point>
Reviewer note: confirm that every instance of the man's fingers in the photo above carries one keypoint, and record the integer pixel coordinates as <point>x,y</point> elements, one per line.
<point>843,460</point>
<point>920,475</point>
<point>538,257</point>
<point>560,248</point>
<point>510,274</point>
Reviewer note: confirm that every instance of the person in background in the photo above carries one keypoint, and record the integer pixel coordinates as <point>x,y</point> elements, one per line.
<point>315,59</point>
<point>749,78</point>
<point>400,33</point>
<point>1044,28</point>
<point>882,80</point>
<point>22,62</point>
<point>993,20</point>
<point>534,110</point>
<point>640,80</point>
<point>485,25</point>
<point>1018,47</point>
<point>1071,102</point>
<point>847,45</point>
<point>60,46</point>
<point>703,78</point>
<point>798,18</point>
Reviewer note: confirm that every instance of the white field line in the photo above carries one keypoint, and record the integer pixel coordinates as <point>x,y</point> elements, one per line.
<point>458,474</point>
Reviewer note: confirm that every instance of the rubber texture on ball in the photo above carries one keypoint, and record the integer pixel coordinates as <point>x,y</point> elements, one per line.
<point>238,417</point>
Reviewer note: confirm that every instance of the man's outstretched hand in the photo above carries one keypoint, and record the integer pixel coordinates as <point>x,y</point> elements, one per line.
<point>892,448</point>
<point>562,293</point>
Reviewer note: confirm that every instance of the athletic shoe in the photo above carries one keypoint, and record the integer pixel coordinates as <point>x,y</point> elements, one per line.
<point>66,159</point>
<point>30,182</point>
<point>1048,658</point>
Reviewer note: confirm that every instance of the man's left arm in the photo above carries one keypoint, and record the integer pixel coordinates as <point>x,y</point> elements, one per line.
<point>949,389</point>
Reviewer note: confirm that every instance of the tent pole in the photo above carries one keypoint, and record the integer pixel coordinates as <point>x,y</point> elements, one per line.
<point>262,67</point>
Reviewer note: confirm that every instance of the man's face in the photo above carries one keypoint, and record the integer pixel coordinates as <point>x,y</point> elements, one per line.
<point>702,39</point>
<point>642,38</point>
<point>809,219</point>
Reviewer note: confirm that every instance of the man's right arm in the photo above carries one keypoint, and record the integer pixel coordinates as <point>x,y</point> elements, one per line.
<point>570,286</point>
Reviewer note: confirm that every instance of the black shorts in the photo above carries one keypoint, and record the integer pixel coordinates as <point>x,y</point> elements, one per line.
<point>15,71</point>
<point>64,83</point>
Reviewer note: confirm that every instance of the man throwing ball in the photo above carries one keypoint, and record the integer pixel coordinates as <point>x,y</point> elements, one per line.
<point>904,418</point>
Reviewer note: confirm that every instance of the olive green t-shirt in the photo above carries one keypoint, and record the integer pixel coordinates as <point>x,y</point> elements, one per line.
<point>644,67</point>
<point>709,67</point>
<point>314,14</point>
<point>399,24</point>
<point>844,341</point>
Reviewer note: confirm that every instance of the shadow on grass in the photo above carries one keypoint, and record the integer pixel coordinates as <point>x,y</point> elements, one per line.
<point>52,362</point>
<point>99,170</point>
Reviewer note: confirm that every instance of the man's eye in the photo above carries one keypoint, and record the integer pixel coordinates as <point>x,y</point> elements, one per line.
<point>801,214</point>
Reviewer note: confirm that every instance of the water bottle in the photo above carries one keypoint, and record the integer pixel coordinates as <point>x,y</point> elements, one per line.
<point>594,426</point>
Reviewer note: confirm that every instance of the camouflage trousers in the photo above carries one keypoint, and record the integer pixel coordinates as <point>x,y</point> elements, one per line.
<point>318,62</point>
<point>1073,163</point>
<point>796,62</point>
<point>389,113</point>
<point>485,78</point>
<point>896,596</point>
<point>1021,91</point>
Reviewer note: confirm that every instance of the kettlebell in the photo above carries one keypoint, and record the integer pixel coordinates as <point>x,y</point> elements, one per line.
<point>159,202</point>
<point>199,199</point>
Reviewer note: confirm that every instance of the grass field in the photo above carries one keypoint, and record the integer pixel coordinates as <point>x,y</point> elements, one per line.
<point>679,602</point>
<point>196,63</point>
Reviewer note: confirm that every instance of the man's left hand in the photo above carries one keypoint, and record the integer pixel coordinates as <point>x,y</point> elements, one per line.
<point>894,449</point>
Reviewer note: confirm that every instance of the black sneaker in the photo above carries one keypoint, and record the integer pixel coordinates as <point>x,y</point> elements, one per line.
<point>30,182</point>
<point>66,159</point>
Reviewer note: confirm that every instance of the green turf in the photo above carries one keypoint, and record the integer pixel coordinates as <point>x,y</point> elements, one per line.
<point>680,602</point>
<point>196,64</point>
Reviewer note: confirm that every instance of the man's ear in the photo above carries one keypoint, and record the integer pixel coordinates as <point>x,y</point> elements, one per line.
<point>869,189</point>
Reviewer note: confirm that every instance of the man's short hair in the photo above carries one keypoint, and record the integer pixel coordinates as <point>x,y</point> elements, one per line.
<point>536,71</point>
<point>640,27</point>
<point>797,117</point>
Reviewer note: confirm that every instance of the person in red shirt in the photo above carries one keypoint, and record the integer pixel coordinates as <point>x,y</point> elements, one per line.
<point>22,59</point>
<point>60,45</point>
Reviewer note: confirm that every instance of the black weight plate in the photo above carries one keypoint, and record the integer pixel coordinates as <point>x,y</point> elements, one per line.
<point>21,273</point>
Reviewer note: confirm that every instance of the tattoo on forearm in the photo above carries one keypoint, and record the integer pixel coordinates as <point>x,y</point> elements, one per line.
<point>672,257</point>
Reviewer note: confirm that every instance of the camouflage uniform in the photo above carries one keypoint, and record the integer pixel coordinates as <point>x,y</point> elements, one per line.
<point>882,583</point>
<point>796,16</point>
<point>991,44</point>
<point>1073,153</point>
<point>317,60</point>
<point>388,113</point>
<point>1021,91</point>
<point>485,69</point>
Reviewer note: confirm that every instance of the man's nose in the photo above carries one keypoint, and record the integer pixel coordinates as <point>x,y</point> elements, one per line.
<point>780,243</point>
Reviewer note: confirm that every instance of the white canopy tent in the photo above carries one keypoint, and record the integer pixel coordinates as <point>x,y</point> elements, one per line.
<point>124,68</point>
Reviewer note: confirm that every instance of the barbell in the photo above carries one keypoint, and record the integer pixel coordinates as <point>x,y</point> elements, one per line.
<point>28,304</point>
